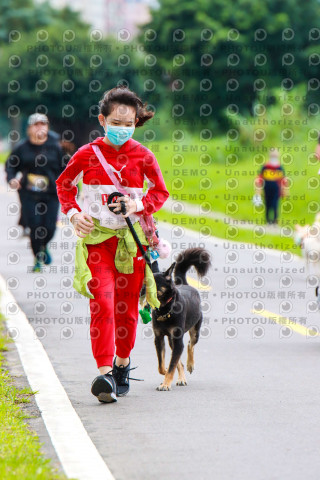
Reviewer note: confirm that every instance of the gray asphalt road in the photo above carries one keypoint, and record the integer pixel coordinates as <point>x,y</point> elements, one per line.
<point>250,410</point>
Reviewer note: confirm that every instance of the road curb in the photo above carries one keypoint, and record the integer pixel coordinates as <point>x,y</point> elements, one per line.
<point>77,453</point>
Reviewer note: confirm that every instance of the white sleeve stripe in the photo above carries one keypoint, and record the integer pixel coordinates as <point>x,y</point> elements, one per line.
<point>77,178</point>
<point>71,212</point>
<point>140,205</point>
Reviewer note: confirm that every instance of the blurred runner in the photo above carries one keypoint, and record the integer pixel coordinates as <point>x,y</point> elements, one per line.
<point>22,220</point>
<point>32,169</point>
<point>273,182</point>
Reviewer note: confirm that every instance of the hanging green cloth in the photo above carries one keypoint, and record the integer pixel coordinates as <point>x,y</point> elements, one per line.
<point>126,250</point>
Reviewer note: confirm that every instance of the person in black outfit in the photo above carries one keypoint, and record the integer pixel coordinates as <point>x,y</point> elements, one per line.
<point>21,191</point>
<point>273,181</point>
<point>40,160</point>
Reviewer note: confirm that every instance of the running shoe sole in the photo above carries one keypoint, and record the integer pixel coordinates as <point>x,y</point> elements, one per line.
<point>102,389</point>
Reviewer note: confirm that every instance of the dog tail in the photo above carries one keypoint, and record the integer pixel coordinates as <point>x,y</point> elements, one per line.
<point>196,257</point>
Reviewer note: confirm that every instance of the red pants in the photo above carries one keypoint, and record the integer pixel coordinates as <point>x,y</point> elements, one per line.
<point>115,307</point>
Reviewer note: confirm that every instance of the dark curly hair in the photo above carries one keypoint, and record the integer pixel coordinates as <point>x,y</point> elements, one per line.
<point>122,95</point>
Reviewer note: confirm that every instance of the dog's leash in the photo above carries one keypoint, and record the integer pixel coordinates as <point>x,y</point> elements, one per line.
<point>123,210</point>
<point>145,313</point>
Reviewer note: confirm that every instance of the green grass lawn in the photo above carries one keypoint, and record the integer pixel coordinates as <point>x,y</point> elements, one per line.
<point>229,188</point>
<point>220,173</point>
<point>219,229</point>
<point>20,456</point>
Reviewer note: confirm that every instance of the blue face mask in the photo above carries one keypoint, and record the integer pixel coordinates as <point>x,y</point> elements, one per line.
<point>118,135</point>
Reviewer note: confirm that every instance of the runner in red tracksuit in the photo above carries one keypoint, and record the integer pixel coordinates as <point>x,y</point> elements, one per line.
<point>114,310</point>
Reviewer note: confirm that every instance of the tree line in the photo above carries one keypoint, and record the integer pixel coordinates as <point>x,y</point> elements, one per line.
<point>195,63</point>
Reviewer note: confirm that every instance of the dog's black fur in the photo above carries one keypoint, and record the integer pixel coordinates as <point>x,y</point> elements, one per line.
<point>179,312</point>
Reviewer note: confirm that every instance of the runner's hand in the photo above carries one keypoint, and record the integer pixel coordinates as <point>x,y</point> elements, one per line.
<point>257,200</point>
<point>131,205</point>
<point>15,184</point>
<point>82,224</point>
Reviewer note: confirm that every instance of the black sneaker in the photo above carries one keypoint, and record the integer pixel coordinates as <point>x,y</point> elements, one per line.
<point>121,375</point>
<point>105,388</point>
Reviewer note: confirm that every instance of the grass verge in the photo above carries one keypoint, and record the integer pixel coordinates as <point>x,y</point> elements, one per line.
<point>217,228</point>
<point>20,455</point>
<point>220,173</point>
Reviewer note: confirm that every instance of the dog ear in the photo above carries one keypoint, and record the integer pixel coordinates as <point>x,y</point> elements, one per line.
<point>169,272</point>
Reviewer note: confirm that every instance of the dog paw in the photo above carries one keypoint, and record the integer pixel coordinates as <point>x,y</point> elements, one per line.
<point>163,388</point>
<point>181,383</point>
<point>190,368</point>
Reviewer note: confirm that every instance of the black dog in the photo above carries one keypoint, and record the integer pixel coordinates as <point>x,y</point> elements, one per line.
<point>179,312</point>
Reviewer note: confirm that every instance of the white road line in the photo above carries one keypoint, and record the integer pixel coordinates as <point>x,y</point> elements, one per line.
<point>76,451</point>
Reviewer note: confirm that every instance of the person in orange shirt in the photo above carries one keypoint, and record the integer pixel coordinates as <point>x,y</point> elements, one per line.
<point>273,182</point>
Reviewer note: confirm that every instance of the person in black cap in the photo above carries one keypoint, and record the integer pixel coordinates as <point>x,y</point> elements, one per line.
<point>39,159</point>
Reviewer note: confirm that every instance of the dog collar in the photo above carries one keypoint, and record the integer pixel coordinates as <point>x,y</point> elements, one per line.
<point>162,318</point>
<point>168,301</point>
<point>166,315</point>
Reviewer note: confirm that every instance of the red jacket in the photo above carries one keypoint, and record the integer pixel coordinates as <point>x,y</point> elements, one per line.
<point>132,164</point>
